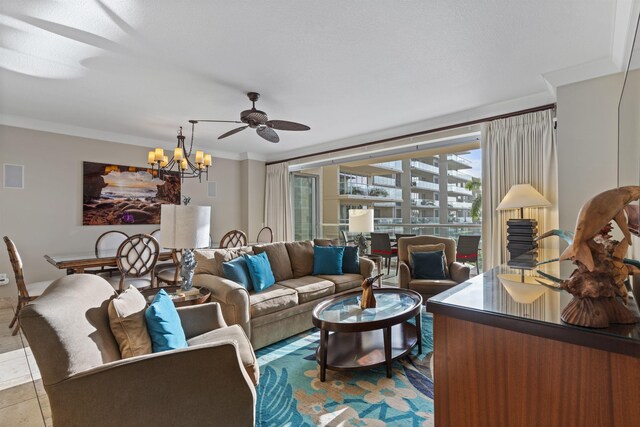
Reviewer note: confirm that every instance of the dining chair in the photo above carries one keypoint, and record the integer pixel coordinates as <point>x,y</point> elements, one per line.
<point>265,235</point>
<point>169,274</point>
<point>136,259</point>
<point>26,292</point>
<point>345,239</point>
<point>467,250</point>
<point>233,239</point>
<point>381,245</point>
<point>106,246</point>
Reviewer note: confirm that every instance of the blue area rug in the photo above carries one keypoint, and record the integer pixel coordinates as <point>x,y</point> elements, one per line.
<point>291,394</point>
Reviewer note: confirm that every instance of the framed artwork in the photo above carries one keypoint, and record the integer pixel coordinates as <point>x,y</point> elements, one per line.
<point>116,194</point>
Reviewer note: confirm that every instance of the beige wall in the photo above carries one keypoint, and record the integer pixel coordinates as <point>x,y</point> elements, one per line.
<point>46,216</point>
<point>253,174</point>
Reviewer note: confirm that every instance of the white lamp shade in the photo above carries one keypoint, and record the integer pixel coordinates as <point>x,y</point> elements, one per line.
<point>184,227</point>
<point>522,196</point>
<point>360,220</point>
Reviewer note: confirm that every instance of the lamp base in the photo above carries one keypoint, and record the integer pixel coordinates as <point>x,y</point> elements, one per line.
<point>521,244</point>
<point>187,265</point>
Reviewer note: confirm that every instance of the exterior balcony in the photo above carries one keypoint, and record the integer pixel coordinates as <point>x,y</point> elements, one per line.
<point>458,161</point>
<point>384,168</point>
<point>424,167</point>
<point>349,191</point>
<point>459,175</point>
<point>425,185</point>
<point>459,205</point>
<point>425,203</point>
<point>459,190</point>
<point>383,180</point>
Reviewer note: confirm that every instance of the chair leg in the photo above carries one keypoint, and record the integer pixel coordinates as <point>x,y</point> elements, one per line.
<point>16,320</point>
<point>13,321</point>
<point>397,264</point>
<point>388,266</point>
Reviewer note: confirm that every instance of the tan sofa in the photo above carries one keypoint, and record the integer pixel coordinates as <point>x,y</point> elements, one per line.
<point>89,384</point>
<point>458,272</point>
<point>285,308</point>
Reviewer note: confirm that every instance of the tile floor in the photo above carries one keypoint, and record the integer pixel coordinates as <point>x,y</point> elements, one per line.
<point>23,401</point>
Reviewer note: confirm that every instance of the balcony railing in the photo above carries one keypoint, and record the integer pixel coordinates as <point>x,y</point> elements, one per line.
<point>459,205</point>
<point>369,191</point>
<point>459,190</point>
<point>384,204</point>
<point>417,164</point>
<point>425,203</point>
<point>395,165</point>
<point>458,159</point>
<point>383,180</point>
<point>426,185</point>
<point>460,175</point>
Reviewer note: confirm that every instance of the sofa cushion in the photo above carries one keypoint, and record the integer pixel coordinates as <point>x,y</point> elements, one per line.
<point>344,282</point>
<point>327,260</point>
<point>128,324</point>
<point>207,261</point>
<point>429,248</point>
<point>326,242</point>
<point>309,288</point>
<point>274,299</point>
<point>428,265</point>
<point>430,287</point>
<point>163,324</point>
<point>237,270</point>
<point>235,333</point>
<point>278,258</point>
<point>227,255</point>
<point>260,271</point>
<point>351,260</point>
<point>301,256</point>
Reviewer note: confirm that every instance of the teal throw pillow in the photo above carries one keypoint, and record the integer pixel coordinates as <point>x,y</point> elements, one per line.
<point>238,271</point>
<point>163,324</point>
<point>327,260</point>
<point>351,260</point>
<point>260,271</point>
<point>428,265</point>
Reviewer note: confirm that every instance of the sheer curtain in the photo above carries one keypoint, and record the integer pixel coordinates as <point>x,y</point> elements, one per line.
<point>277,202</point>
<point>517,150</point>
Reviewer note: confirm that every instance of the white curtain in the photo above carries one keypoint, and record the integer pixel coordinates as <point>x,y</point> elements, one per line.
<point>517,150</point>
<point>277,202</point>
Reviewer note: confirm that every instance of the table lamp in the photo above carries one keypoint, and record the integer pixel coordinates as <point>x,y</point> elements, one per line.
<point>361,221</point>
<point>186,228</point>
<point>521,233</point>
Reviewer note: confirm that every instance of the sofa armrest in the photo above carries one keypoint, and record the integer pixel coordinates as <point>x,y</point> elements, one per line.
<point>405,275</point>
<point>366,267</point>
<point>199,319</point>
<point>143,390</point>
<point>232,297</point>
<point>459,272</point>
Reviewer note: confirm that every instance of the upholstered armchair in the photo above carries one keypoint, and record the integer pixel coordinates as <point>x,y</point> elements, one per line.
<point>88,383</point>
<point>458,272</point>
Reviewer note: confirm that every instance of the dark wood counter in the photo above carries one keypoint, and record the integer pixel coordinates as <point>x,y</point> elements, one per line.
<point>503,357</point>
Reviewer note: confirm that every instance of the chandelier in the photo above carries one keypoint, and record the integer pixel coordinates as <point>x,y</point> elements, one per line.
<point>184,166</point>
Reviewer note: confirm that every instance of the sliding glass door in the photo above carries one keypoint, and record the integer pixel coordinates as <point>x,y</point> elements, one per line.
<point>305,205</point>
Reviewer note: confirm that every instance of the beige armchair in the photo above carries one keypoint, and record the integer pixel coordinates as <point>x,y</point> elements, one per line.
<point>87,382</point>
<point>458,272</point>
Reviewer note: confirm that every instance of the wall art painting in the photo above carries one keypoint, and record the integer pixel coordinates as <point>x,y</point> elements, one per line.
<point>116,194</point>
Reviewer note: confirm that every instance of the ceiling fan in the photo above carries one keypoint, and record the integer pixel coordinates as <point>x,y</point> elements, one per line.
<point>258,120</point>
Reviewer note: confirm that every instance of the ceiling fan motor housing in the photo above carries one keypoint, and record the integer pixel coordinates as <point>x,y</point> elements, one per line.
<point>253,117</point>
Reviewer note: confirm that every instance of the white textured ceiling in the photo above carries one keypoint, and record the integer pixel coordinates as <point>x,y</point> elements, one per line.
<point>134,71</point>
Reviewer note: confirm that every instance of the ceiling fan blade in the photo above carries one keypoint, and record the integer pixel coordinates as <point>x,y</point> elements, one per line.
<point>268,134</point>
<point>285,125</point>
<point>231,132</point>
<point>218,121</point>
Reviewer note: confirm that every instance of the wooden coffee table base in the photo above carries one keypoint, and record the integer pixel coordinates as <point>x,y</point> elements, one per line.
<point>341,351</point>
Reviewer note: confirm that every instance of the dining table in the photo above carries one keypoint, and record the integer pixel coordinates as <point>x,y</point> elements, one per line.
<point>79,262</point>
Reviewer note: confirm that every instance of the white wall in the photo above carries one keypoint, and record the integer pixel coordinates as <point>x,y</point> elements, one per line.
<point>46,216</point>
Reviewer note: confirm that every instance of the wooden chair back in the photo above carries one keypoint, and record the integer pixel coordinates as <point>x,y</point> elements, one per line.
<point>16,264</point>
<point>137,256</point>
<point>467,249</point>
<point>265,235</point>
<point>233,239</point>
<point>108,243</point>
<point>380,243</point>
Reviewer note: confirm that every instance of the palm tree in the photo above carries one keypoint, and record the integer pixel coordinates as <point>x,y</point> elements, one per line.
<point>476,206</point>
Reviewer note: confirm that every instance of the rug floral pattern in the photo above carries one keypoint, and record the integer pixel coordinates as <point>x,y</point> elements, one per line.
<point>290,393</point>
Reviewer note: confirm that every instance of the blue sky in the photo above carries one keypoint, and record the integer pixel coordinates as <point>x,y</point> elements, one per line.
<point>476,162</point>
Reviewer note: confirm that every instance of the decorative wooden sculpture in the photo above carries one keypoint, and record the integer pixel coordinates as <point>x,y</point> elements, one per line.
<point>597,285</point>
<point>368,299</point>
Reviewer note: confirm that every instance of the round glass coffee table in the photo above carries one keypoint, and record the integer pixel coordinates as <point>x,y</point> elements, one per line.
<point>362,339</point>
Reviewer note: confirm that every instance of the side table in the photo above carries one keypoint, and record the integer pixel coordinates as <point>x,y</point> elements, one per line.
<point>179,301</point>
<point>377,259</point>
